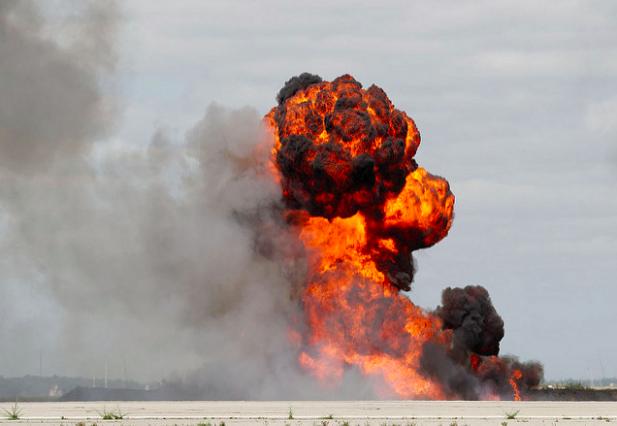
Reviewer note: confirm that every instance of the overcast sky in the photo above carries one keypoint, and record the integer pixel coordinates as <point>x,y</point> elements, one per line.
<point>516,103</point>
<point>517,106</point>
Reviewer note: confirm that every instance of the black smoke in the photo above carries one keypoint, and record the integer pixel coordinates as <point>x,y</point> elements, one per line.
<point>470,367</point>
<point>328,178</point>
<point>296,83</point>
<point>469,312</point>
<point>346,150</point>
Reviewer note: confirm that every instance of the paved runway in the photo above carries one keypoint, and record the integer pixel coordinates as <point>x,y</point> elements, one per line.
<point>329,413</point>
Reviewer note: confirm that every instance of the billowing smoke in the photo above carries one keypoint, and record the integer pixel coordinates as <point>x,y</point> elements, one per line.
<point>152,259</point>
<point>296,83</point>
<point>341,150</point>
<point>469,366</point>
<point>331,179</point>
<point>469,312</point>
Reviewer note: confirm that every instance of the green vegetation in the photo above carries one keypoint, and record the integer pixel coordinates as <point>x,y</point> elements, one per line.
<point>291,414</point>
<point>14,413</point>
<point>512,415</point>
<point>112,415</point>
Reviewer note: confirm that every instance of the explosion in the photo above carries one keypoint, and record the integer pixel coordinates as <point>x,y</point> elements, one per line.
<point>344,157</point>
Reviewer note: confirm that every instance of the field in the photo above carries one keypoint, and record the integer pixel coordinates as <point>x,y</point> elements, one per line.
<point>329,413</point>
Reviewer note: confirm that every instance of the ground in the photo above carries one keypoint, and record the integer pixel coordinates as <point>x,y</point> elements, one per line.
<point>331,413</point>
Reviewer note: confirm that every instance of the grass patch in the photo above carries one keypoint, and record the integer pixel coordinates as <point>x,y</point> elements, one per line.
<point>512,415</point>
<point>112,415</point>
<point>14,413</point>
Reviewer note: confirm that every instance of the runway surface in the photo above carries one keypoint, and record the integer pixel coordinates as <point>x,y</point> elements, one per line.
<point>329,413</point>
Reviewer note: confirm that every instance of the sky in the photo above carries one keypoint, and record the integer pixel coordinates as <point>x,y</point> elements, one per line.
<point>516,103</point>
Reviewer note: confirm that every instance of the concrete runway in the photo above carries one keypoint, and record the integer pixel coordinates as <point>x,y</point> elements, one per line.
<point>331,413</point>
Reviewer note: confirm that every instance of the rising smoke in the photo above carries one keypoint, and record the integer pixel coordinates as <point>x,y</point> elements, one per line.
<point>470,367</point>
<point>134,257</point>
<point>155,261</point>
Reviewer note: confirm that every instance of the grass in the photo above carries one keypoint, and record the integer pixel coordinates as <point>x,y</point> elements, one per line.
<point>14,413</point>
<point>512,415</point>
<point>112,415</point>
<point>291,414</point>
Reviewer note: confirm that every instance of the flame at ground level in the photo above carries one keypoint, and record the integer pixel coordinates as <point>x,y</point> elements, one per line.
<point>356,319</point>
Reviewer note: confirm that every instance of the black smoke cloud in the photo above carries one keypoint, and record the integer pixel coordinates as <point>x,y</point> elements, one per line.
<point>470,368</point>
<point>327,179</point>
<point>296,83</point>
<point>469,312</point>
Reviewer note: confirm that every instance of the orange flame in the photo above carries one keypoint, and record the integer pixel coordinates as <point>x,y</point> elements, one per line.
<point>359,236</point>
<point>516,375</point>
<point>356,318</point>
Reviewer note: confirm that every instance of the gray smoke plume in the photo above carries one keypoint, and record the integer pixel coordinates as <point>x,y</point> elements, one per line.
<point>152,261</point>
<point>130,253</point>
<point>51,113</point>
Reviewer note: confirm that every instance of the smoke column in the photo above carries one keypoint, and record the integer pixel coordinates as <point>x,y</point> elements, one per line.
<point>123,252</point>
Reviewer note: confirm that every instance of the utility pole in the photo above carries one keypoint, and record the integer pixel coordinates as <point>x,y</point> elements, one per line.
<point>124,370</point>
